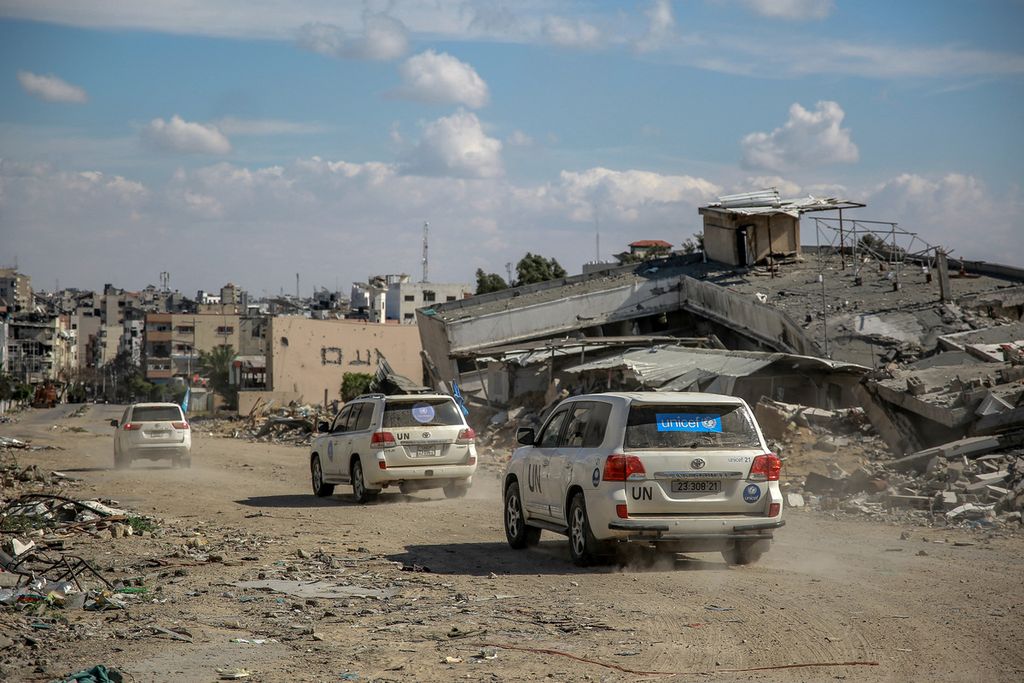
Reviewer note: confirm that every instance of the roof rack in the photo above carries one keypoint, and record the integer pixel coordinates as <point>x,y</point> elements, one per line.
<point>368,396</point>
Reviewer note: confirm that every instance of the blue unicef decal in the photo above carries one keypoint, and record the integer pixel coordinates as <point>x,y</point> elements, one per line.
<point>596,478</point>
<point>423,412</point>
<point>688,422</point>
<point>330,450</point>
<point>752,493</point>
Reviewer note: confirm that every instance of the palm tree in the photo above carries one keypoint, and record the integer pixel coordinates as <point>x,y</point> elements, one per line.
<point>216,366</point>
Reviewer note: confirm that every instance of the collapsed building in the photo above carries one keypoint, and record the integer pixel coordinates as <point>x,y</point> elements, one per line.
<point>845,316</point>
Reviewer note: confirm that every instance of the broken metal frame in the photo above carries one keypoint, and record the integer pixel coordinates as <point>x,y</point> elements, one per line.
<point>899,250</point>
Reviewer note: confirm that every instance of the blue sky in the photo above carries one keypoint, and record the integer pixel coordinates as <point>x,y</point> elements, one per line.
<point>245,142</point>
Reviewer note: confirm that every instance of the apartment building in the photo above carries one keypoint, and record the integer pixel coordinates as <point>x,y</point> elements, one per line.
<point>15,290</point>
<point>173,341</point>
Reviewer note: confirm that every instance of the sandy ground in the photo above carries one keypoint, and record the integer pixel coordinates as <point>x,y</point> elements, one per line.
<point>831,590</point>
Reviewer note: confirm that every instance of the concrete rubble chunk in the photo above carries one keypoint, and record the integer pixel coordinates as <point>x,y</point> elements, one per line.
<point>971,446</point>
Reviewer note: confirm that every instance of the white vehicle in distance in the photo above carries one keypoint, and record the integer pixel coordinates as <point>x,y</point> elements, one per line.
<point>152,431</point>
<point>682,472</point>
<point>413,442</point>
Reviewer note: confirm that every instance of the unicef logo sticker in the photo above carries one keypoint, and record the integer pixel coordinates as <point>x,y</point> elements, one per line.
<point>710,422</point>
<point>423,412</point>
<point>596,478</point>
<point>330,450</point>
<point>752,493</point>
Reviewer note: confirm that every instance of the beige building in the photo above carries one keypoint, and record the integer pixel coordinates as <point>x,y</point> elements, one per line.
<point>173,341</point>
<point>308,359</point>
<point>15,290</point>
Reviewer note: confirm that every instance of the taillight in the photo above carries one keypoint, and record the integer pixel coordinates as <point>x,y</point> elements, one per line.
<point>620,467</point>
<point>766,467</point>
<point>621,512</point>
<point>774,509</point>
<point>382,440</point>
<point>472,460</point>
<point>180,425</point>
<point>132,426</point>
<point>466,436</point>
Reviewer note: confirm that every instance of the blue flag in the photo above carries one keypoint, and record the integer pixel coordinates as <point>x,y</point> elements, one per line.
<point>458,398</point>
<point>184,401</point>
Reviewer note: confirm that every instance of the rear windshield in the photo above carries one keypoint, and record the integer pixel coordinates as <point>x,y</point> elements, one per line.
<point>428,412</point>
<point>690,426</point>
<point>157,414</point>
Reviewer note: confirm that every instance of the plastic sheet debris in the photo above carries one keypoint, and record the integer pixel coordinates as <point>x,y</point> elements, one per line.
<point>97,674</point>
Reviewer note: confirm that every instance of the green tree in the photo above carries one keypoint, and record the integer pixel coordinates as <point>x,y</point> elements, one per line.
<point>535,268</point>
<point>355,383</point>
<point>489,282</point>
<point>216,366</point>
<point>695,244</point>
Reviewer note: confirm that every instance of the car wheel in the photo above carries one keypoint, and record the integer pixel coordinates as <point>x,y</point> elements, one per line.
<point>185,462</point>
<point>584,549</point>
<point>518,533</point>
<point>745,552</point>
<point>316,472</point>
<point>359,490</point>
<point>456,489</point>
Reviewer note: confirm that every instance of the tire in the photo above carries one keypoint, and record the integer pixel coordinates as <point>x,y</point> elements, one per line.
<point>185,462</point>
<point>745,552</point>
<point>584,549</point>
<point>316,473</point>
<point>519,534</point>
<point>359,491</point>
<point>456,489</point>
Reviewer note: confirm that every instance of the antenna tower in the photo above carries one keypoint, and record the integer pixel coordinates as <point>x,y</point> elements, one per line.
<point>426,232</point>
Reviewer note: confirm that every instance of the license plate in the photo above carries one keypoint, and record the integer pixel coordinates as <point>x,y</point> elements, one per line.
<point>426,452</point>
<point>158,433</point>
<point>696,486</point>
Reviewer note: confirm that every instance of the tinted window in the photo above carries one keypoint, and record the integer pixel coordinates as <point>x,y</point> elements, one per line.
<point>427,412</point>
<point>587,425</point>
<point>686,426</point>
<point>362,422</point>
<point>549,439</point>
<point>339,421</point>
<point>157,414</point>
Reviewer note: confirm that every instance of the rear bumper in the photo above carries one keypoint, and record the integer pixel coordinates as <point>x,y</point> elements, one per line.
<point>396,475</point>
<point>159,451</point>
<point>683,530</point>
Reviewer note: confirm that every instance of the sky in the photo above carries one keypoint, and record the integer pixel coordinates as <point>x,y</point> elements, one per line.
<point>245,142</point>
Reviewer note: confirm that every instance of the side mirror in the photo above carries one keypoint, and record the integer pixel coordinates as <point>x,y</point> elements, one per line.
<point>113,423</point>
<point>323,427</point>
<point>526,436</point>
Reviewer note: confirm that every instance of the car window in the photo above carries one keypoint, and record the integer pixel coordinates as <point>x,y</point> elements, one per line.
<point>549,439</point>
<point>156,414</point>
<point>124,416</point>
<point>586,426</point>
<point>690,426</point>
<point>339,421</point>
<point>427,412</point>
<point>362,421</point>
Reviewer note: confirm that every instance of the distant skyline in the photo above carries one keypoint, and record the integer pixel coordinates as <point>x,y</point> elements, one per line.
<point>242,142</point>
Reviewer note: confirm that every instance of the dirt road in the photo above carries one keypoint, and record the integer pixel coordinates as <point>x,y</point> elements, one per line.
<point>459,601</point>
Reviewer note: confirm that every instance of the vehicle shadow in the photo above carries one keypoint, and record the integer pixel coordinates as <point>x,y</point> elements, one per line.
<point>550,557</point>
<point>137,468</point>
<point>308,500</point>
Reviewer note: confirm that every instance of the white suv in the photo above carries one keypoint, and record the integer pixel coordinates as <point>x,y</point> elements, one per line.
<point>683,472</point>
<point>152,431</point>
<point>417,441</point>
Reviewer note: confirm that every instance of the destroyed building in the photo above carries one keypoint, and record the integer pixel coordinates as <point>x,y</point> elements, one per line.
<point>867,296</point>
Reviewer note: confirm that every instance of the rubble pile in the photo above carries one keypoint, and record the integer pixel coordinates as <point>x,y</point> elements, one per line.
<point>834,461</point>
<point>293,424</point>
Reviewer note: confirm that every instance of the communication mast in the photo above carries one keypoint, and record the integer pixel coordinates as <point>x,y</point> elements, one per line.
<point>426,232</point>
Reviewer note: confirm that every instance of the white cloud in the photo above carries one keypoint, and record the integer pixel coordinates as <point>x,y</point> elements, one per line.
<point>178,135</point>
<point>441,78</point>
<point>807,138</point>
<point>661,27</point>
<point>456,145</point>
<point>230,125</point>
<point>956,211</point>
<point>787,188</point>
<point>799,10</point>
<point>519,139</point>
<point>331,213</point>
<point>383,38</point>
<point>51,88</point>
<point>627,195</point>
<point>574,33</point>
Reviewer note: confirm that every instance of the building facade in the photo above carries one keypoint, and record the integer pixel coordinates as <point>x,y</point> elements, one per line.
<point>173,341</point>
